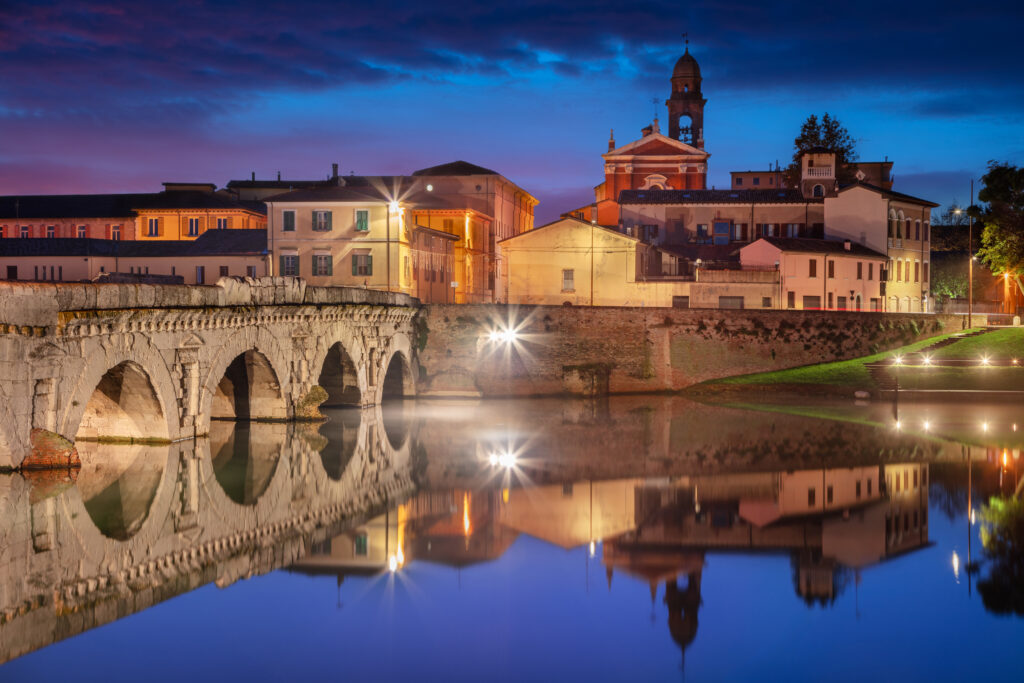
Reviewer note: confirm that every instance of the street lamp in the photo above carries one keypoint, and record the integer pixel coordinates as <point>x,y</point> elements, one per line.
<point>970,257</point>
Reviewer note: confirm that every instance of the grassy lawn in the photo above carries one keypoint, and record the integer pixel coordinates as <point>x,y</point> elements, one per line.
<point>1005,343</point>
<point>846,373</point>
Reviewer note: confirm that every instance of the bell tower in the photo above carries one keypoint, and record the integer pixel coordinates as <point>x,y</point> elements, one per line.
<point>686,103</point>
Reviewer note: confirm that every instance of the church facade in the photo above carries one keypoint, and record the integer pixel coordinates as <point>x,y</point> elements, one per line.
<point>655,161</point>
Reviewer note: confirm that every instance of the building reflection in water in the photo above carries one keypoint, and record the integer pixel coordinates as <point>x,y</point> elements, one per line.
<point>830,521</point>
<point>118,483</point>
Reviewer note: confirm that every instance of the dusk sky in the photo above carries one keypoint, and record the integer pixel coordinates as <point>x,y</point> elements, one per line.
<point>119,97</point>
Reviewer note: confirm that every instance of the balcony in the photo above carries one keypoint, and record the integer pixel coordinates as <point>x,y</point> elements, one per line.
<point>820,172</point>
<point>895,243</point>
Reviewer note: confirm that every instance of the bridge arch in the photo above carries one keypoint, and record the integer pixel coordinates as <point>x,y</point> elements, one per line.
<point>122,393</point>
<point>248,379</point>
<point>397,379</point>
<point>341,373</point>
<point>124,405</point>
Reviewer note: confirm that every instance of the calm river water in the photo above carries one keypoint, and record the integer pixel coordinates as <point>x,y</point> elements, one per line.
<point>634,538</point>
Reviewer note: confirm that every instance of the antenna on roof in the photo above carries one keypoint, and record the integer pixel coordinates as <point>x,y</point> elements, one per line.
<point>686,39</point>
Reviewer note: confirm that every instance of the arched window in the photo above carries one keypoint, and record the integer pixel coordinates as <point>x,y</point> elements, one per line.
<point>686,129</point>
<point>892,223</point>
<point>655,182</point>
<point>819,190</point>
<point>900,219</point>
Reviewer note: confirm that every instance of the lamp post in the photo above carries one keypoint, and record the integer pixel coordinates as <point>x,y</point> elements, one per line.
<point>970,257</point>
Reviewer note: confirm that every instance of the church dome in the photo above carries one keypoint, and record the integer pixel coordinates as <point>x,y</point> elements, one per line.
<point>686,68</point>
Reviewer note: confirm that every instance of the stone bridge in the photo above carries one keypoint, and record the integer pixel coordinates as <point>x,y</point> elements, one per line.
<point>160,363</point>
<point>138,524</point>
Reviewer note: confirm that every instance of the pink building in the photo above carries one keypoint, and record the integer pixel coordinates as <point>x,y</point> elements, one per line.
<point>821,274</point>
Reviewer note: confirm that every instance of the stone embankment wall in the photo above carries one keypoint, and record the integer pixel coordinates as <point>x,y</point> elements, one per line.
<point>588,351</point>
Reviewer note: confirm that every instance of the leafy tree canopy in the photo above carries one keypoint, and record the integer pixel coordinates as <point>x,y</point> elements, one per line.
<point>827,132</point>
<point>1002,236</point>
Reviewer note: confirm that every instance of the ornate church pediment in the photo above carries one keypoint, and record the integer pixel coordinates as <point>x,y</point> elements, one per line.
<point>656,144</point>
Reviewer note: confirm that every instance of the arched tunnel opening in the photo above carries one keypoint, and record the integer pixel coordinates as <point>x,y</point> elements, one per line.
<point>339,378</point>
<point>249,390</point>
<point>398,378</point>
<point>123,407</point>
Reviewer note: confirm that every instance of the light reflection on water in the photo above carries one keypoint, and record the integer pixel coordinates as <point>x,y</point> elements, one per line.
<point>622,538</point>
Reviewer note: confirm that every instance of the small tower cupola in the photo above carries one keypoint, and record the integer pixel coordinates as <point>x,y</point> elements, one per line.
<point>686,103</point>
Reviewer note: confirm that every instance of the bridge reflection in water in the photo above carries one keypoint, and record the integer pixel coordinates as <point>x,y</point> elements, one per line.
<point>649,486</point>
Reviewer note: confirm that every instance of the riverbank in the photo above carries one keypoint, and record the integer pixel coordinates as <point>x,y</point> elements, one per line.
<point>957,366</point>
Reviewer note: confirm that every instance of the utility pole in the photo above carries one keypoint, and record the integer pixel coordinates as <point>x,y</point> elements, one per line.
<point>970,259</point>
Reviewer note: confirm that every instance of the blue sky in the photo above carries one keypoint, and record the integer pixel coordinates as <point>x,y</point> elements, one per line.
<point>106,96</point>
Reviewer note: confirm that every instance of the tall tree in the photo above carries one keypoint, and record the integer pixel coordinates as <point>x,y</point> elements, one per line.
<point>1002,235</point>
<point>827,132</point>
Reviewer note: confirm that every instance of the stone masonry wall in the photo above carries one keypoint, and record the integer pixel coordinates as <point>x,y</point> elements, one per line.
<point>576,350</point>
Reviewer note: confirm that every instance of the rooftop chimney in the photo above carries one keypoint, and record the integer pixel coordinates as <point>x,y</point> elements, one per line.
<point>334,170</point>
<point>846,245</point>
<point>254,176</point>
<point>279,175</point>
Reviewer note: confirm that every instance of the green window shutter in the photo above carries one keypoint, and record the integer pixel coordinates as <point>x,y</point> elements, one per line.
<point>369,264</point>
<point>329,215</point>
<point>281,265</point>
<point>329,270</point>
<point>355,264</point>
<point>314,271</point>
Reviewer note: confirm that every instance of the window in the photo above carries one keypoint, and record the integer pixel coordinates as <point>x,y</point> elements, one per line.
<point>323,264</point>
<point>830,300</point>
<point>819,191</point>
<point>828,494</point>
<point>287,221</point>
<point>739,181</point>
<point>362,545</point>
<point>289,265</point>
<point>24,231</point>
<point>791,299</point>
<point>362,220</point>
<point>721,232</point>
<point>449,225</point>
<point>222,223</point>
<point>739,232</point>
<point>766,302</point>
<point>841,303</point>
<point>812,268</point>
<point>857,492</point>
<point>51,230</point>
<point>915,479</point>
<point>83,232</point>
<point>899,270</point>
<point>860,270</point>
<point>792,229</point>
<point>810,497</point>
<point>115,233</point>
<point>322,221</point>
<point>869,486</point>
<point>730,302</point>
<point>193,227</point>
<point>917,230</point>
<point>154,227</point>
<point>925,273</point>
<point>756,180</point>
<point>200,275</point>
<point>250,271</point>
<point>12,272</point>
<point>871,271</point>
<point>680,302</point>
<point>223,270</point>
<point>831,269</point>
<point>917,271</point>
<point>812,302</point>
<point>702,233</point>
<point>362,264</point>
<point>568,280</point>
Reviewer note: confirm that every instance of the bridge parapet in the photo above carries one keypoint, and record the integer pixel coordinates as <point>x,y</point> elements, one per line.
<point>39,304</point>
